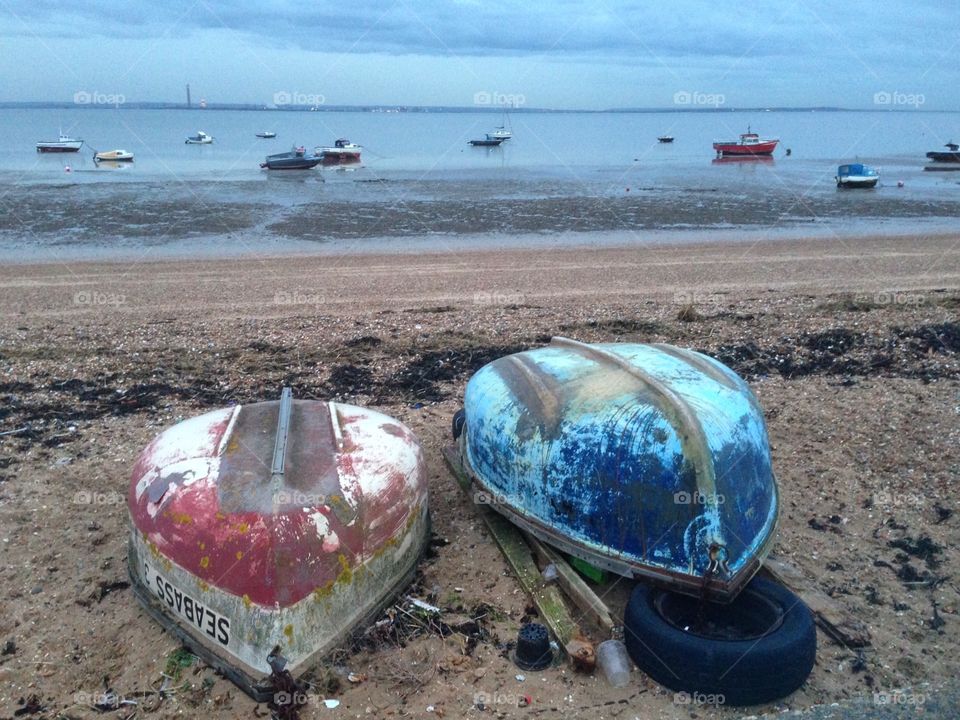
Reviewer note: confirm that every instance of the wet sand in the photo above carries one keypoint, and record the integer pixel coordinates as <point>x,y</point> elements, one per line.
<point>346,214</point>
<point>853,348</point>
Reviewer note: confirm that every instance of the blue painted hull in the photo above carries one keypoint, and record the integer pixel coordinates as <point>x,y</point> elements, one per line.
<point>648,460</point>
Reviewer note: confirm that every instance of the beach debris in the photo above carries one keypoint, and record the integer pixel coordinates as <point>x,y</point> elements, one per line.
<point>546,598</point>
<point>289,694</point>
<point>29,706</point>
<point>533,651</point>
<point>519,677</point>
<point>838,623</point>
<point>582,655</point>
<point>331,703</point>
<point>689,313</point>
<point>614,662</point>
<point>574,586</point>
<point>178,661</point>
<point>356,678</point>
<point>936,622</point>
<point>922,548</point>
<point>425,607</point>
<point>550,573</point>
<point>100,590</point>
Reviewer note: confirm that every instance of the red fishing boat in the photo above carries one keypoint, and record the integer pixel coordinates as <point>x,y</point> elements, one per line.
<point>749,144</point>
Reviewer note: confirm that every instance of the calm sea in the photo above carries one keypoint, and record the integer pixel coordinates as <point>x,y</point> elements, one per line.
<point>553,162</point>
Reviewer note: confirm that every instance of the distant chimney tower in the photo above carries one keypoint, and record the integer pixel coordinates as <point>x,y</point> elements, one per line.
<point>188,95</point>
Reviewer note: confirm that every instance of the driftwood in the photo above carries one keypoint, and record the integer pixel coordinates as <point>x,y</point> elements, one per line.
<point>835,621</point>
<point>547,598</point>
<point>574,586</point>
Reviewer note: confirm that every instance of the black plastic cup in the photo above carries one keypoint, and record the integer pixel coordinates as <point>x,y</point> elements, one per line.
<point>533,648</point>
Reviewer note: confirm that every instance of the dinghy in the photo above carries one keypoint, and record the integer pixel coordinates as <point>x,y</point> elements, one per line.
<point>287,524</point>
<point>647,460</point>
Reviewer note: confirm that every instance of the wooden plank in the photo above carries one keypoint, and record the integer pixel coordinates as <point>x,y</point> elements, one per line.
<point>546,598</point>
<point>834,620</point>
<point>573,585</point>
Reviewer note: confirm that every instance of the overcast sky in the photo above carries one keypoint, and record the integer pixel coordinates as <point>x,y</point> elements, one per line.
<point>571,54</point>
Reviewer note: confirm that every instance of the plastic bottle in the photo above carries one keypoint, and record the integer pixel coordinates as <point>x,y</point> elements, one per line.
<point>614,662</point>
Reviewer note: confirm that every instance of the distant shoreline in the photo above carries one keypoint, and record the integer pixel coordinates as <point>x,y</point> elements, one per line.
<point>387,108</point>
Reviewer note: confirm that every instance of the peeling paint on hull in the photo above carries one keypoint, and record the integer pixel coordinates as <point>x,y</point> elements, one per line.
<point>237,558</point>
<point>650,461</point>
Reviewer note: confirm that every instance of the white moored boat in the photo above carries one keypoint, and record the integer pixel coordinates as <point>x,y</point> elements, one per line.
<point>114,155</point>
<point>63,144</point>
<point>201,138</point>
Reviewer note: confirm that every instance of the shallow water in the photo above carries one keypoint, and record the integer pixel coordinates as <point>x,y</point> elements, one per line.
<point>561,174</point>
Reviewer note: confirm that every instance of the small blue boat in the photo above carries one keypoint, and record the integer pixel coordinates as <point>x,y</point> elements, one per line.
<point>856,175</point>
<point>647,460</point>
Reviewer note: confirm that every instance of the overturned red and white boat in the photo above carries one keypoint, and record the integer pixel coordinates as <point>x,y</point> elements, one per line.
<point>289,523</point>
<point>750,143</point>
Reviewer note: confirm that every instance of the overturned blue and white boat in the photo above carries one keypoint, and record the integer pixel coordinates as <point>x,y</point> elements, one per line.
<point>647,460</point>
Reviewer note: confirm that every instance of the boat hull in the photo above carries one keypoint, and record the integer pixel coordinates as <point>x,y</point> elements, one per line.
<point>857,182</point>
<point>762,148</point>
<point>945,157</point>
<point>339,157</point>
<point>236,560</point>
<point>59,147</point>
<point>649,461</point>
<point>114,156</point>
<point>301,164</point>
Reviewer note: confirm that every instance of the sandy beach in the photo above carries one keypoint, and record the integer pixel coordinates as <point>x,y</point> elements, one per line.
<point>852,346</point>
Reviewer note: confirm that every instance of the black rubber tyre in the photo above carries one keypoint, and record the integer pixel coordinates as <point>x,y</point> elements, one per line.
<point>759,648</point>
